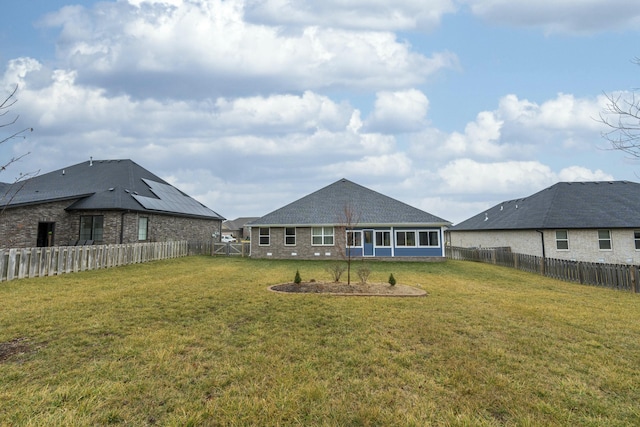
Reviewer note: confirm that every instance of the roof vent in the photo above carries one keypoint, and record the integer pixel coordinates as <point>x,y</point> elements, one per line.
<point>62,171</point>
<point>486,216</point>
<point>111,189</point>
<point>90,161</point>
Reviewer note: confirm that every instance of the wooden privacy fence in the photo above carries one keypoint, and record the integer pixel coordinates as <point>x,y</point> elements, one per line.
<point>232,249</point>
<point>616,276</point>
<point>55,260</point>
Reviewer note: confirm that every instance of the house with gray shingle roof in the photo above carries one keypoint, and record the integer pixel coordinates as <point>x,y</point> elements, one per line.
<point>100,202</point>
<point>237,228</point>
<point>581,221</point>
<point>345,216</point>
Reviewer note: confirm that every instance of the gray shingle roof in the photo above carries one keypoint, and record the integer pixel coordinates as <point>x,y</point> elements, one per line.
<point>327,205</point>
<point>106,185</point>
<point>606,204</point>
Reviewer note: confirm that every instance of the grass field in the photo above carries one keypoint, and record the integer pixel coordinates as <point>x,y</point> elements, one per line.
<point>200,341</point>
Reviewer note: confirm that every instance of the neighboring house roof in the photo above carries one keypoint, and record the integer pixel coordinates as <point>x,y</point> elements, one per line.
<point>237,223</point>
<point>327,207</point>
<point>606,204</point>
<point>106,185</point>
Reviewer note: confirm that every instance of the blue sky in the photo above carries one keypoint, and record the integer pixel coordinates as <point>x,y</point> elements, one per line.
<point>449,105</point>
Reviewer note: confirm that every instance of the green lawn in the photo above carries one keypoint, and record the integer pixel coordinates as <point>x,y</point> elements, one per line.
<point>200,341</point>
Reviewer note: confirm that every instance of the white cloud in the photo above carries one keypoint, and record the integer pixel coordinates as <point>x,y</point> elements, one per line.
<point>386,165</point>
<point>509,177</point>
<point>579,173</point>
<point>207,48</point>
<point>470,176</point>
<point>398,112</point>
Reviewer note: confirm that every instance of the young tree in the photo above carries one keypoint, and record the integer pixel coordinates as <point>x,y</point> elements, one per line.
<point>349,220</point>
<point>5,123</point>
<point>622,116</point>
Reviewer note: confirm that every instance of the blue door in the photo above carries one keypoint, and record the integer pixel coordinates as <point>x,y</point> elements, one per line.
<point>368,242</point>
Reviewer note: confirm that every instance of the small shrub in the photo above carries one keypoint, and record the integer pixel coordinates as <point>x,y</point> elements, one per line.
<point>392,280</point>
<point>336,271</point>
<point>297,279</point>
<point>363,274</point>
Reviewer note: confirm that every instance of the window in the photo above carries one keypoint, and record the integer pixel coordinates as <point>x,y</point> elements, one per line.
<point>405,238</point>
<point>604,240</point>
<point>354,239</point>
<point>636,237</point>
<point>429,238</point>
<point>91,227</point>
<point>562,240</point>
<point>264,236</point>
<point>383,238</point>
<point>290,236</point>
<point>322,236</point>
<point>143,224</point>
<point>425,238</point>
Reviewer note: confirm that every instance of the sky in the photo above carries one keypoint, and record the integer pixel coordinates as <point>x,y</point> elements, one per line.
<point>451,106</point>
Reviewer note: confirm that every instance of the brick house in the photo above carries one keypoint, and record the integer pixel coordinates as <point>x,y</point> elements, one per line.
<point>578,221</point>
<point>100,202</point>
<point>345,216</point>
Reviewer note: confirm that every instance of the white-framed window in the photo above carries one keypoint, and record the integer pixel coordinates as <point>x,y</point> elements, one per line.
<point>604,240</point>
<point>562,240</point>
<point>417,238</point>
<point>354,239</point>
<point>322,236</point>
<point>428,238</point>
<point>636,238</point>
<point>290,236</point>
<point>143,228</point>
<point>91,227</point>
<point>383,238</point>
<point>264,236</point>
<point>405,238</point>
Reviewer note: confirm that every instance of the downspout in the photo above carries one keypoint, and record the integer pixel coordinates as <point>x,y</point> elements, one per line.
<point>543,251</point>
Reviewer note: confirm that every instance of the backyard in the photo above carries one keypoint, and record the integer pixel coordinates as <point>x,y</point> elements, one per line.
<point>201,341</point>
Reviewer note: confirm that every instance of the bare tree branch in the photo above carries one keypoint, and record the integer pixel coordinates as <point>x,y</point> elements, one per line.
<point>622,116</point>
<point>14,188</point>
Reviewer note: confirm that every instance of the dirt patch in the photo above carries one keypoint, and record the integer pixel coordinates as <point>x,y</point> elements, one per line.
<point>367,289</point>
<point>14,347</point>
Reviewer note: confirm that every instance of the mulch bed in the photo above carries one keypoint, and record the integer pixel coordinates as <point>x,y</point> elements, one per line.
<point>366,289</point>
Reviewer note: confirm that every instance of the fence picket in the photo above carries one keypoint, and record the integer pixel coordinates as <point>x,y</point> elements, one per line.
<point>615,276</point>
<point>50,261</point>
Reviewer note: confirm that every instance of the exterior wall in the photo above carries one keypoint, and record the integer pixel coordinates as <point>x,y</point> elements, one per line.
<point>302,249</point>
<point>583,244</point>
<point>305,250</point>
<point>523,241</point>
<point>163,228</point>
<point>19,226</point>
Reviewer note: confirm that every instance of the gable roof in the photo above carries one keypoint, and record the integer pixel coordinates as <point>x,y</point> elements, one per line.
<point>604,204</point>
<point>327,207</point>
<point>106,185</point>
<point>237,223</point>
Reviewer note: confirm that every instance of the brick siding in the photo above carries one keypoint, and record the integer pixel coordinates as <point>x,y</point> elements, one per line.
<point>19,226</point>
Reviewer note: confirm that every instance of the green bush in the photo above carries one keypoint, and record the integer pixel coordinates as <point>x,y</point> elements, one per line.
<point>392,280</point>
<point>297,279</point>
